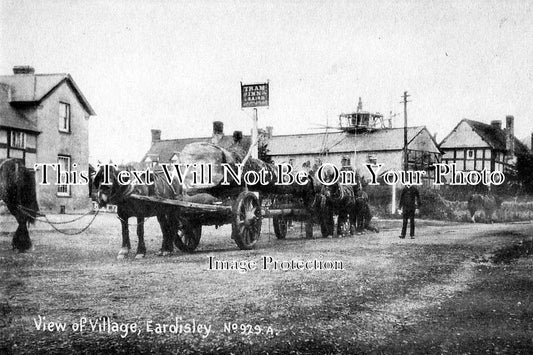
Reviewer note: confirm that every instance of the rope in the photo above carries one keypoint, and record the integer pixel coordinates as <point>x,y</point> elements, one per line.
<point>77,232</point>
<point>46,220</point>
<point>25,210</point>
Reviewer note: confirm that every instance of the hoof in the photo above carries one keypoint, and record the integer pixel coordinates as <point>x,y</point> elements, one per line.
<point>163,253</point>
<point>139,256</point>
<point>123,253</point>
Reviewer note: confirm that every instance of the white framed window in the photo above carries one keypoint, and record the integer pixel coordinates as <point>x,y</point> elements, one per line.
<point>470,153</point>
<point>64,117</point>
<point>64,163</point>
<point>18,139</point>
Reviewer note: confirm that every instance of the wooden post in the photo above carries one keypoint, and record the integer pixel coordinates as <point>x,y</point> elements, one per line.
<point>405,161</point>
<point>255,136</point>
<point>393,203</point>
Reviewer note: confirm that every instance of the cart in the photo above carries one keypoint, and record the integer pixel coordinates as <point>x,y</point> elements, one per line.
<point>284,209</point>
<point>243,212</point>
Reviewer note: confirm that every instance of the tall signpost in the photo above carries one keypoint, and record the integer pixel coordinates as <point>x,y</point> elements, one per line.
<point>253,96</point>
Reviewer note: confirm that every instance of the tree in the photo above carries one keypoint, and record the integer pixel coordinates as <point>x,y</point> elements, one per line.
<point>524,172</point>
<point>263,152</point>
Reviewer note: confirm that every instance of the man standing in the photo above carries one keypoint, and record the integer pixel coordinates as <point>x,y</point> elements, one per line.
<point>409,203</point>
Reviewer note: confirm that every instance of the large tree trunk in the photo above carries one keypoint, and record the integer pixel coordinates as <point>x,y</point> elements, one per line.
<point>207,153</point>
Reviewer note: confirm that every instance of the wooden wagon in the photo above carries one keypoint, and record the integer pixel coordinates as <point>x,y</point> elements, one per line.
<point>244,213</point>
<point>236,203</point>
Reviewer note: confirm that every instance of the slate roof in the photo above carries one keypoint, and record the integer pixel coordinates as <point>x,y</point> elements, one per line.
<point>495,137</point>
<point>33,88</point>
<point>339,142</point>
<point>10,117</point>
<point>163,150</point>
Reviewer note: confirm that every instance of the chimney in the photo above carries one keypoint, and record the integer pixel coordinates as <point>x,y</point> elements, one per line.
<point>269,130</point>
<point>218,132</point>
<point>509,135</point>
<point>156,135</point>
<point>496,124</point>
<point>23,69</point>
<point>237,137</point>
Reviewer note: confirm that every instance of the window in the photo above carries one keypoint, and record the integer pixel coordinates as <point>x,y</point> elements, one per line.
<point>470,153</point>
<point>64,117</point>
<point>18,139</point>
<point>64,163</point>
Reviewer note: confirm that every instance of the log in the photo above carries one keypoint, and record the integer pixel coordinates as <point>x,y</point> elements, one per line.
<point>207,153</point>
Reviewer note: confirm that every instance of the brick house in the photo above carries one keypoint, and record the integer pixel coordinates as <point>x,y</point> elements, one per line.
<point>44,118</point>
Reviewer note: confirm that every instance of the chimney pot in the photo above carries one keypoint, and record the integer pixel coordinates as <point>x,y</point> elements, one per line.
<point>269,130</point>
<point>509,135</point>
<point>496,123</point>
<point>218,127</point>
<point>237,136</point>
<point>218,132</point>
<point>23,69</point>
<point>156,135</point>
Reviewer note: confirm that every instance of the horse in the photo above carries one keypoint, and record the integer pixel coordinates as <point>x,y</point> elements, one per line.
<point>119,195</point>
<point>17,190</point>
<point>488,204</point>
<point>337,199</point>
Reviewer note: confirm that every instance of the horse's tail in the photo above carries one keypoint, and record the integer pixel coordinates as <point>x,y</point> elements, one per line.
<point>29,195</point>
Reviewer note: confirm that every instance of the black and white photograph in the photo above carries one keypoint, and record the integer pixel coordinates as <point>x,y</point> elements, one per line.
<point>266,177</point>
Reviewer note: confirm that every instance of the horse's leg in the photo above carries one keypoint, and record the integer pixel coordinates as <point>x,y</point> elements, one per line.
<point>353,222</point>
<point>141,247</point>
<point>168,241</point>
<point>126,245</point>
<point>21,239</point>
<point>472,212</point>
<point>326,222</point>
<point>341,221</point>
<point>163,223</point>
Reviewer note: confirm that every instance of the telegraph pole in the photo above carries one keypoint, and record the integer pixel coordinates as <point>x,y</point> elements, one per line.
<point>405,161</point>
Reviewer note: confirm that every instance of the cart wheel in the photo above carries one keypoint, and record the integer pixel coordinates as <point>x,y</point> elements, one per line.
<point>188,236</point>
<point>280,226</point>
<point>246,226</point>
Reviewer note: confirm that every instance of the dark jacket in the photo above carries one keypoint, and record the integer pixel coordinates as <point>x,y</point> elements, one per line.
<point>409,200</point>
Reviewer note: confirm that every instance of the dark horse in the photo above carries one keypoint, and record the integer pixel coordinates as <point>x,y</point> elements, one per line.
<point>17,190</point>
<point>119,195</point>
<point>337,199</point>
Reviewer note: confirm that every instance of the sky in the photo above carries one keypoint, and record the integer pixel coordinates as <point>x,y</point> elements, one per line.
<point>177,65</point>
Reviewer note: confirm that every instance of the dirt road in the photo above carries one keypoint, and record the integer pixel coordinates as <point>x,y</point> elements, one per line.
<point>437,293</point>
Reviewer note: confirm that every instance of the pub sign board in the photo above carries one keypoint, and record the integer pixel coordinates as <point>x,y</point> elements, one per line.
<point>254,95</point>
